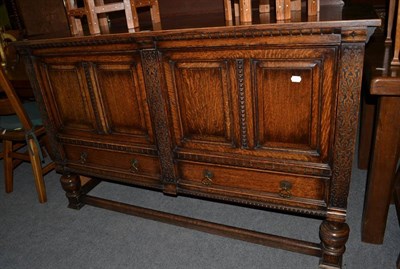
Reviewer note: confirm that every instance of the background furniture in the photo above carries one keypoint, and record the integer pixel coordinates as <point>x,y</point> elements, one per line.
<point>282,8</point>
<point>199,112</point>
<point>379,136</point>
<point>39,18</point>
<point>384,155</point>
<point>17,131</point>
<point>396,45</point>
<point>95,11</point>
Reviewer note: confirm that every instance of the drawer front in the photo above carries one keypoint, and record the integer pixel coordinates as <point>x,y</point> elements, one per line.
<point>113,163</point>
<point>252,184</point>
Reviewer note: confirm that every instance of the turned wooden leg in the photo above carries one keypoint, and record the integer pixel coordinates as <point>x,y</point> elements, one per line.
<point>333,236</point>
<point>72,187</point>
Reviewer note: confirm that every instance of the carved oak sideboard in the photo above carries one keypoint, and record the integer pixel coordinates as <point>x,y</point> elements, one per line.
<point>262,115</point>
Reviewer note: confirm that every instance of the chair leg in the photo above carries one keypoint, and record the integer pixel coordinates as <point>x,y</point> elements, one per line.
<point>37,170</point>
<point>8,165</point>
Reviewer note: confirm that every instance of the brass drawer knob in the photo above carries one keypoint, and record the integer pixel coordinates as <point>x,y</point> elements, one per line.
<point>134,166</point>
<point>83,158</point>
<point>207,177</point>
<point>285,189</point>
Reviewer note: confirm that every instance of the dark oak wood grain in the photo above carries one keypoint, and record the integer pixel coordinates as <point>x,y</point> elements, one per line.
<point>261,115</point>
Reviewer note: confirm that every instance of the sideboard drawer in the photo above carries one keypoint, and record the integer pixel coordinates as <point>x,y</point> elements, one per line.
<point>118,162</point>
<point>242,183</point>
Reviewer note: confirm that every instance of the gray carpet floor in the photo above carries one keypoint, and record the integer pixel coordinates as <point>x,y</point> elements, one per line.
<point>50,235</point>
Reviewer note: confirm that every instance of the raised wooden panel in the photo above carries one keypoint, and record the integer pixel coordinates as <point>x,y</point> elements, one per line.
<point>267,103</point>
<point>202,102</point>
<point>287,95</point>
<point>67,91</point>
<point>123,99</point>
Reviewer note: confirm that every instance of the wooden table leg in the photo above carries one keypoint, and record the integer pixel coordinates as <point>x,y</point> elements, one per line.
<point>382,170</point>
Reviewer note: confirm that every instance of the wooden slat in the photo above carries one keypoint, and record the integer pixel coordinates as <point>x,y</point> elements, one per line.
<point>103,20</point>
<point>396,49</point>
<point>93,21</point>
<point>143,3</point>
<point>312,7</point>
<point>22,156</point>
<point>259,238</point>
<point>228,10</point>
<point>295,5</point>
<point>77,12</point>
<point>245,11</point>
<point>109,8</point>
<point>287,9</point>
<point>48,168</point>
<point>264,6</point>
<point>390,15</point>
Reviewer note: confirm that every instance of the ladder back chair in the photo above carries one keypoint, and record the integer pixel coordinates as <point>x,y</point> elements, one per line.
<point>23,137</point>
<point>96,14</point>
<point>394,7</point>
<point>283,9</point>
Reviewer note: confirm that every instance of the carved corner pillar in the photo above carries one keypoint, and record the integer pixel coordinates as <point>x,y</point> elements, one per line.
<point>71,184</point>
<point>153,81</point>
<point>333,237</point>
<point>334,231</point>
<point>348,104</point>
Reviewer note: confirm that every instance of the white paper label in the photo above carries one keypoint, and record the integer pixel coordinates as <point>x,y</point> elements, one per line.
<point>295,79</point>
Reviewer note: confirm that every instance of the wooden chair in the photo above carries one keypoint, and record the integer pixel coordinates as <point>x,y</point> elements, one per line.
<point>396,47</point>
<point>95,12</point>
<point>379,147</point>
<point>283,9</point>
<point>19,131</point>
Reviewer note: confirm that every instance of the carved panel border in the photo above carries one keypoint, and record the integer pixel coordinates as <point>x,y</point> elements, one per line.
<point>242,102</point>
<point>148,38</point>
<point>152,70</point>
<point>251,163</point>
<point>302,211</point>
<point>109,146</point>
<point>346,121</point>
